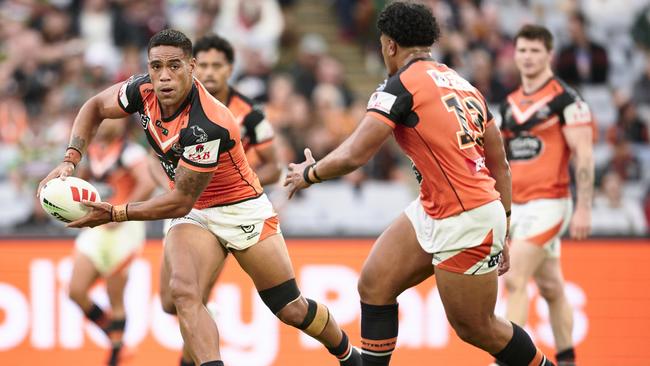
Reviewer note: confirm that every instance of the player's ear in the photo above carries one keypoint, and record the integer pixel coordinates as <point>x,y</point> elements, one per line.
<point>192,63</point>
<point>392,47</point>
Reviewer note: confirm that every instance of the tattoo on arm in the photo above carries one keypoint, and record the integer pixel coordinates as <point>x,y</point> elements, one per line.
<point>585,184</point>
<point>78,143</point>
<point>190,182</point>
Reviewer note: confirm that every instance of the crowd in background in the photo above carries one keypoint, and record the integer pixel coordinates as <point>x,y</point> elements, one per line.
<point>55,54</point>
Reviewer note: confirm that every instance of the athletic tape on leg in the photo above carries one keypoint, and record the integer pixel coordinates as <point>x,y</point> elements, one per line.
<point>316,319</point>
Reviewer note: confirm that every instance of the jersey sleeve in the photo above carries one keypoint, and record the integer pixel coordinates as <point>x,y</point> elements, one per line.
<point>129,97</point>
<point>392,103</point>
<point>258,129</point>
<point>573,111</point>
<point>203,144</point>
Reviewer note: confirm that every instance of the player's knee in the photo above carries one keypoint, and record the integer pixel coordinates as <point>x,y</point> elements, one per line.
<point>370,292</point>
<point>515,283</point>
<point>168,305</point>
<point>473,330</point>
<point>76,295</point>
<point>293,313</point>
<point>550,290</point>
<point>184,293</point>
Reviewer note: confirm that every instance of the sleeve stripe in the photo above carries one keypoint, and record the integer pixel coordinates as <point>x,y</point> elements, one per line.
<point>381,117</point>
<point>202,169</point>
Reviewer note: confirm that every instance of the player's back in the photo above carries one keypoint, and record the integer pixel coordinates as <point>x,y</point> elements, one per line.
<point>439,119</point>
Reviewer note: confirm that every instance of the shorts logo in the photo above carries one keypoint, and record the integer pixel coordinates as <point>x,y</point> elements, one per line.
<point>494,260</point>
<point>247,228</point>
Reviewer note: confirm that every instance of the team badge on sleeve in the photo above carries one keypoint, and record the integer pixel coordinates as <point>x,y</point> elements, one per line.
<point>577,113</point>
<point>264,130</point>
<point>203,153</point>
<point>382,101</point>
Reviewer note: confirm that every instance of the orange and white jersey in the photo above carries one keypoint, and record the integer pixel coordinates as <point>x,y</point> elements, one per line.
<point>256,130</point>
<point>110,168</point>
<point>532,127</point>
<point>202,136</point>
<point>439,119</point>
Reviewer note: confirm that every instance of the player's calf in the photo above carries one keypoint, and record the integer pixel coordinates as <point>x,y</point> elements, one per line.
<point>313,318</point>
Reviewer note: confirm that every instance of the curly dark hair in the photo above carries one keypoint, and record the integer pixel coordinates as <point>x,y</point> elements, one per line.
<point>535,32</point>
<point>171,37</point>
<point>210,41</point>
<point>409,24</point>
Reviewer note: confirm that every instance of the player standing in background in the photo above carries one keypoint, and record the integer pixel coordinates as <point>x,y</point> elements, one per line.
<point>457,226</point>
<point>545,124</point>
<point>216,198</point>
<point>214,58</point>
<point>117,168</point>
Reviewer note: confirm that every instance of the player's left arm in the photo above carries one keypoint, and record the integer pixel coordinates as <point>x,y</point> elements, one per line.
<point>580,141</point>
<point>354,152</point>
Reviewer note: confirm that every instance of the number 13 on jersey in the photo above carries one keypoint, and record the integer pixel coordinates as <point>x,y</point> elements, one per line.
<point>472,107</point>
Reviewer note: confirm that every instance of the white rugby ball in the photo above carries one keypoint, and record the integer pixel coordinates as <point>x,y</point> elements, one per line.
<point>62,198</point>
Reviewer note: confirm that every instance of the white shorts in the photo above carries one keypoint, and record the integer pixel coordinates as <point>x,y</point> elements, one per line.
<point>470,242</point>
<point>111,250</point>
<point>237,226</point>
<point>541,222</point>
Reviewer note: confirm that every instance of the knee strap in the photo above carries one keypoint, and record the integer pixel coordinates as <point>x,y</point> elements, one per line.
<point>316,319</point>
<point>279,296</point>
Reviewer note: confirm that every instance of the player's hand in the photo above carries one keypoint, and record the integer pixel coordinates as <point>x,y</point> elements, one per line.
<point>100,213</point>
<point>62,171</point>
<point>580,224</point>
<point>294,179</point>
<point>504,263</point>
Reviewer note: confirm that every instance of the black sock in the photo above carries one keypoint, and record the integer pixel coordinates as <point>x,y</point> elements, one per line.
<point>98,316</point>
<point>186,363</point>
<point>213,363</point>
<point>567,356</point>
<point>115,354</point>
<point>379,327</point>
<point>521,351</point>
<point>115,330</point>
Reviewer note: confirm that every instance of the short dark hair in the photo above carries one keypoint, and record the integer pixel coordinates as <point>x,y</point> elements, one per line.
<point>409,24</point>
<point>171,37</point>
<point>536,33</point>
<point>213,41</point>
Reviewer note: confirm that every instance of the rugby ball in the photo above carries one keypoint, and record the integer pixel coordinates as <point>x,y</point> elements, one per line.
<point>62,198</point>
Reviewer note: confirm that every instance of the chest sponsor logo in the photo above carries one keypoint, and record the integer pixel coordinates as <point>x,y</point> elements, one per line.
<point>203,153</point>
<point>524,147</point>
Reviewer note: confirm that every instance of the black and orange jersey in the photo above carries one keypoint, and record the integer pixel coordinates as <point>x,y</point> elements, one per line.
<point>202,135</point>
<point>110,168</point>
<point>439,119</point>
<point>537,150</point>
<point>255,129</point>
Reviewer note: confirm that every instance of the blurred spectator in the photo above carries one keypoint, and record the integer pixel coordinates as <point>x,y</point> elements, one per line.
<point>624,162</point>
<point>330,71</point>
<point>311,49</point>
<point>485,78</point>
<point>613,213</point>
<point>137,21</point>
<point>582,61</point>
<point>254,28</point>
<point>629,126</point>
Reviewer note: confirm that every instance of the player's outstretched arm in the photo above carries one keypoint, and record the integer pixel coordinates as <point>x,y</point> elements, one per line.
<point>189,184</point>
<point>354,152</point>
<point>98,108</point>
<point>580,141</point>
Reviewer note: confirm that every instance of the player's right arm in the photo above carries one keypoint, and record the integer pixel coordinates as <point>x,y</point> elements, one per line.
<point>98,108</point>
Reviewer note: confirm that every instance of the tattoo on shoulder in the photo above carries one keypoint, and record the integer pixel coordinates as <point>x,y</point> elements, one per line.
<point>191,182</point>
<point>78,143</point>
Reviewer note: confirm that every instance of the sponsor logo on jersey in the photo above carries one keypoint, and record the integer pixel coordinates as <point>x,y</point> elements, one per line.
<point>524,147</point>
<point>203,153</point>
<point>450,80</point>
<point>494,260</point>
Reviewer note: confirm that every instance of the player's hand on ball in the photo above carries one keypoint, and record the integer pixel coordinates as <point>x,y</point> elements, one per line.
<point>62,170</point>
<point>294,179</point>
<point>504,263</point>
<point>100,213</point>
